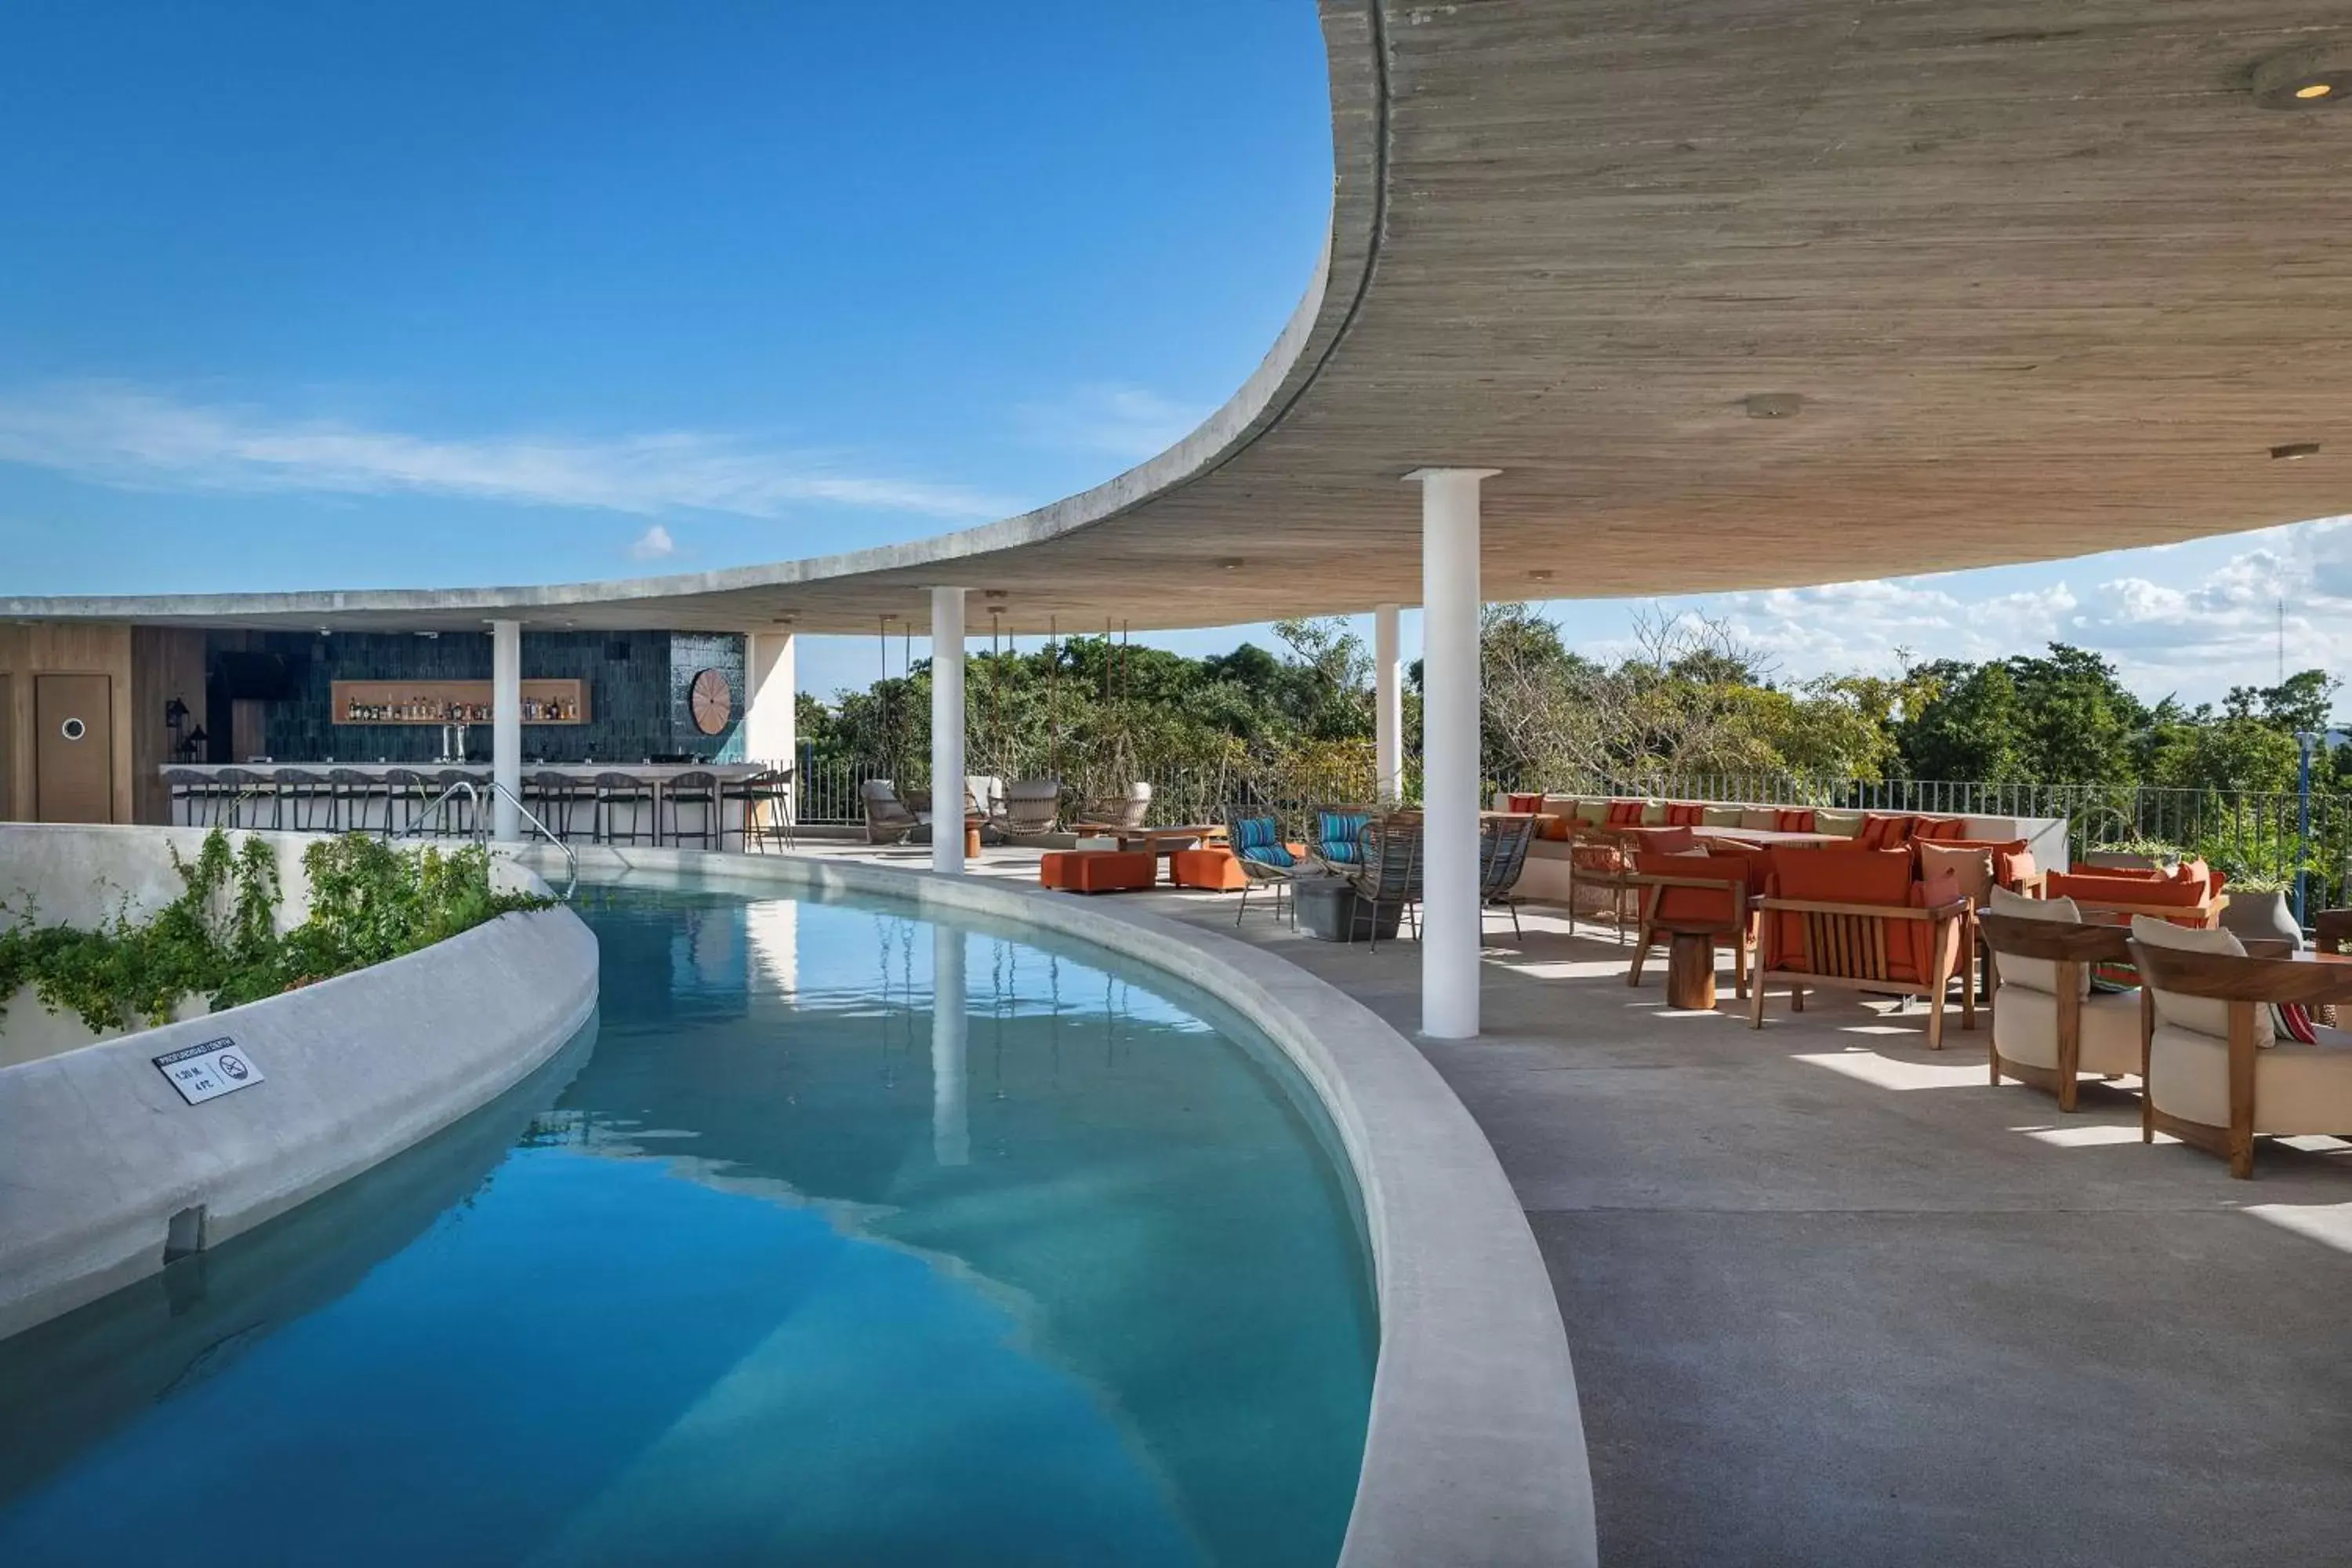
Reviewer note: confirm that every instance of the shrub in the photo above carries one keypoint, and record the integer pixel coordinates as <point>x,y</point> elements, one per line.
<point>219,938</point>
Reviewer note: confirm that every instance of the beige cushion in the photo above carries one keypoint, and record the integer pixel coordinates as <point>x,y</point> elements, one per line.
<point>2025,1029</point>
<point>2200,1014</point>
<point>1759,818</point>
<point>1845,824</point>
<point>1972,868</point>
<point>1653,814</point>
<point>1592,811</point>
<point>1560,804</point>
<point>2033,973</point>
<point>2298,1089</point>
<point>1722,816</point>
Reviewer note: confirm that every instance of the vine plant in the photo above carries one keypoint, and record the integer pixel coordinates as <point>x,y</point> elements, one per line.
<point>220,938</point>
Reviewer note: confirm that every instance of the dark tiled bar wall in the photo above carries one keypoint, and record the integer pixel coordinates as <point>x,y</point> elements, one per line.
<point>637,693</point>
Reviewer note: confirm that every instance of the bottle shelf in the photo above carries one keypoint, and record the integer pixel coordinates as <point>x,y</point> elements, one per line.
<point>452,702</point>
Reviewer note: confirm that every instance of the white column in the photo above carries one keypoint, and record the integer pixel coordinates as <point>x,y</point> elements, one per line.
<point>947,729</point>
<point>950,1028</point>
<point>505,729</point>
<point>1449,750</point>
<point>1388,707</point>
<point>771,720</point>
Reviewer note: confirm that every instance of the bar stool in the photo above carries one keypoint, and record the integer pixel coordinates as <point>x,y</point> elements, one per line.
<point>552,795</point>
<point>233,787</point>
<point>300,800</point>
<point>625,790</point>
<point>404,800</point>
<point>191,795</point>
<point>766,802</point>
<point>347,793</point>
<point>696,789</point>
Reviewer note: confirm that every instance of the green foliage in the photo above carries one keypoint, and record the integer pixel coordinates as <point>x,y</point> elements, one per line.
<point>219,938</point>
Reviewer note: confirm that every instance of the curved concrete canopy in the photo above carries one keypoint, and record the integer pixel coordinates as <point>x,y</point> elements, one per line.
<point>2044,283</point>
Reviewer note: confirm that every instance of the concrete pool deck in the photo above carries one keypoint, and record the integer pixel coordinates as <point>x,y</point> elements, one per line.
<point>1833,1299</point>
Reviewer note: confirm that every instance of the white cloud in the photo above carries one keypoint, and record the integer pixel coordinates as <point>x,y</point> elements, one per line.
<point>654,545</point>
<point>1125,422</point>
<point>134,438</point>
<point>2167,627</point>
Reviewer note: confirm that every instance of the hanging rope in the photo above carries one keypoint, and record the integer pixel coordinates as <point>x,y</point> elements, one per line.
<point>1053,695</point>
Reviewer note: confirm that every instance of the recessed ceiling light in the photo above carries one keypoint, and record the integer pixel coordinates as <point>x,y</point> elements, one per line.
<point>2300,79</point>
<point>1542,574</point>
<point>1230,564</point>
<point>2294,451</point>
<point>1773,404</point>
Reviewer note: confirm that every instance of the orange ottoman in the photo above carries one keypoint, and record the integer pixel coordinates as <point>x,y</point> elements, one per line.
<point>1214,868</point>
<point>1098,870</point>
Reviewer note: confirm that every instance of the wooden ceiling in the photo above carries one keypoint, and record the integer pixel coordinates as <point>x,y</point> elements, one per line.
<point>2044,279</point>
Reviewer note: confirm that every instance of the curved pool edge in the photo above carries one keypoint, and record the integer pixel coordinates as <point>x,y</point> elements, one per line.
<point>100,1153</point>
<point>1474,1449</point>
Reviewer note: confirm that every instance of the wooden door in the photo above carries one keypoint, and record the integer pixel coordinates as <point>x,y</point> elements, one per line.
<point>7,756</point>
<point>73,748</point>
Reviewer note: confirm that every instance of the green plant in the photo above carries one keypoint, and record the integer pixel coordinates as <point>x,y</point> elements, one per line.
<point>219,938</point>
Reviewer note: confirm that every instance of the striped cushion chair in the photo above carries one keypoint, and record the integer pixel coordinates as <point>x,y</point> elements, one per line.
<point>1265,860</point>
<point>1340,839</point>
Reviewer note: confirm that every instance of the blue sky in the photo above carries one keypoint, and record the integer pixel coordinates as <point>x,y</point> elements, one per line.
<point>347,296</point>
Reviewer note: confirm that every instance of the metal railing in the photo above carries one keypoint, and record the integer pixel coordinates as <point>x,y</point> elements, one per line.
<point>2248,833</point>
<point>433,811</point>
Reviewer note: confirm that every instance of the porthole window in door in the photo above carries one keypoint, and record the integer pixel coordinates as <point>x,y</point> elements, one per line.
<point>73,728</point>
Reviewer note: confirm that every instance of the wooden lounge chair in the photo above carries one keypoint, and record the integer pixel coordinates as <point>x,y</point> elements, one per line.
<point>2218,1077</point>
<point>1601,858</point>
<point>2048,1027</point>
<point>1856,920</point>
<point>1698,901</point>
<point>887,820</point>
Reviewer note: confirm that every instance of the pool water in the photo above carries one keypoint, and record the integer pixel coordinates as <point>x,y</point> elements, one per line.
<point>785,1264</point>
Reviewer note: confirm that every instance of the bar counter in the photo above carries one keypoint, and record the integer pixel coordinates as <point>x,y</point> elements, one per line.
<point>361,798</point>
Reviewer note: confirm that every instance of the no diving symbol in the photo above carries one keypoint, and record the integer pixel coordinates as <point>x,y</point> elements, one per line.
<point>232,1066</point>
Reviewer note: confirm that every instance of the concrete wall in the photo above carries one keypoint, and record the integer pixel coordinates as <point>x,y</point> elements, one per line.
<point>1475,1451</point>
<point>100,1152</point>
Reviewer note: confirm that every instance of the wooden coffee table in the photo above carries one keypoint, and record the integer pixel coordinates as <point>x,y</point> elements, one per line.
<point>1162,842</point>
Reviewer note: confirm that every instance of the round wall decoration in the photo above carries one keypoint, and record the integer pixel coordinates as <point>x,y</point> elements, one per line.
<point>712,700</point>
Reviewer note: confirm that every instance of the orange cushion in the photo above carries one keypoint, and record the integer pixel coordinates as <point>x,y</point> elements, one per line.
<point>1554,827</point>
<point>1526,802</point>
<point>1216,869</point>
<point>1855,877</point>
<point>1664,840</point>
<point>1690,906</point>
<point>1941,829</point>
<point>1796,819</point>
<point>2101,888</point>
<point>1108,870</point>
<point>1935,892</point>
<point>1886,830</point>
<point>1683,814</point>
<point>1625,813</point>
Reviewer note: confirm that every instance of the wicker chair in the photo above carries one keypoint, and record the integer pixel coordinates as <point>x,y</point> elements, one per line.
<point>1502,856</point>
<point>1389,874</point>
<point>1265,861</point>
<point>1032,808</point>
<point>887,820</point>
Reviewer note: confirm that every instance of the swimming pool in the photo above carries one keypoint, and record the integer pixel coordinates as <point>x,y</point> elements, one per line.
<point>787,1264</point>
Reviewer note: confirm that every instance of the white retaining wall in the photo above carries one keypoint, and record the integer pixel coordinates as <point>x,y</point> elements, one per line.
<point>99,1153</point>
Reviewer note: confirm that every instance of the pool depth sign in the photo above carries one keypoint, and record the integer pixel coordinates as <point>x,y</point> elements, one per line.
<point>208,1071</point>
